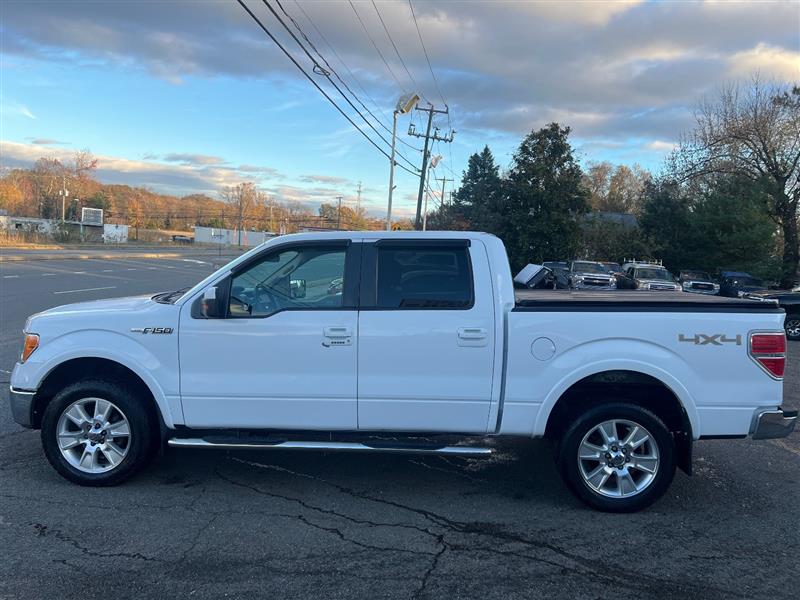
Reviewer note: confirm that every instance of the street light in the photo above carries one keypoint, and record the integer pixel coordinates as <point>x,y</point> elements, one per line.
<point>404,105</point>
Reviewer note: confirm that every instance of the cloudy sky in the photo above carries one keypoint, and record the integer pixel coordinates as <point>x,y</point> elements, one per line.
<point>188,96</point>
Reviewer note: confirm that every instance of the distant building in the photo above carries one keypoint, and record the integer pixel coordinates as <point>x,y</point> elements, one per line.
<point>67,230</point>
<point>230,237</point>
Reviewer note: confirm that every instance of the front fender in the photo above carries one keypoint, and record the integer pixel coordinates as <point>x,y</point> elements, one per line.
<point>155,365</point>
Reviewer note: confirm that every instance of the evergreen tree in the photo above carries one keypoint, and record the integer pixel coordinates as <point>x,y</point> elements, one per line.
<point>544,197</point>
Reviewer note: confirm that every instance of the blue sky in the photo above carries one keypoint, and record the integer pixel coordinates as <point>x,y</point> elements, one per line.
<point>187,97</point>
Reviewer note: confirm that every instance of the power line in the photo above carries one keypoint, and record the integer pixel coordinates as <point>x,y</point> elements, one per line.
<point>396,51</point>
<point>318,69</point>
<point>315,84</point>
<point>332,70</point>
<point>374,45</point>
<point>427,58</point>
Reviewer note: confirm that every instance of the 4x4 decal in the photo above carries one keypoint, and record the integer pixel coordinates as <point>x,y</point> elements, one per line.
<point>715,339</point>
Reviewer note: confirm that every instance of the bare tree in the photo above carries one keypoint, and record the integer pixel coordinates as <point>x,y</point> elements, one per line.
<point>752,131</point>
<point>243,199</point>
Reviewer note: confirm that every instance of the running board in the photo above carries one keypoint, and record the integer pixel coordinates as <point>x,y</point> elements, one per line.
<point>331,447</point>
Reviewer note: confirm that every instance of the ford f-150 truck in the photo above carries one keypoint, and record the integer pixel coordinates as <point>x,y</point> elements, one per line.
<point>401,342</point>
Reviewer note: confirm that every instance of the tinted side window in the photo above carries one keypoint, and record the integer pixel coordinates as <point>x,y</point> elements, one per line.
<point>420,277</point>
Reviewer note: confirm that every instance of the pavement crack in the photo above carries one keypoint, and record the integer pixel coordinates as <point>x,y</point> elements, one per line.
<point>45,531</point>
<point>340,534</point>
<point>627,578</point>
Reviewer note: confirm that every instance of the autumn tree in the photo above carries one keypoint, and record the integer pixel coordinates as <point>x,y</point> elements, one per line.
<point>615,189</point>
<point>243,200</point>
<point>752,131</point>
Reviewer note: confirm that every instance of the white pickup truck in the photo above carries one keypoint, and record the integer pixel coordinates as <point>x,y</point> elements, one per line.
<point>401,342</point>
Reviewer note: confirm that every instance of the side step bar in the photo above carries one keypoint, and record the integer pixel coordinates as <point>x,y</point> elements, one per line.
<point>331,447</point>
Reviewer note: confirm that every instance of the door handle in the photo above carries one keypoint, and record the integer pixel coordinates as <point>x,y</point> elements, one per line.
<point>337,336</point>
<point>472,333</point>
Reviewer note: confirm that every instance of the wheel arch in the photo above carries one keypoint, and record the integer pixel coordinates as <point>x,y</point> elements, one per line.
<point>97,367</point>
<point>642,385</point>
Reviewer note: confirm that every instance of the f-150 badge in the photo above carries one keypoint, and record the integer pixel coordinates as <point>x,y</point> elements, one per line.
<point>153,330</point>
<point>716,339</point>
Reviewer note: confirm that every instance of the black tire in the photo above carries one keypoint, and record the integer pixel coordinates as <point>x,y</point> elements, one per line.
<point>792,325</point>
<point>141,445</point>
<point>571,467</point>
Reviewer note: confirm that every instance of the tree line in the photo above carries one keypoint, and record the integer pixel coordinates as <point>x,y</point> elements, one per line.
<point>727,196</point>
<point>37,192</point>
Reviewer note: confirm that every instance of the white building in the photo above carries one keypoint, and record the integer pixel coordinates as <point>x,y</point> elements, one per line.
<point>230,237</point>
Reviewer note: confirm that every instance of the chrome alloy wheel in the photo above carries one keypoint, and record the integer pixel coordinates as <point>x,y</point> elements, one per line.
<point>793,328</point>
<point>618,458</point>
<point>93,435</point>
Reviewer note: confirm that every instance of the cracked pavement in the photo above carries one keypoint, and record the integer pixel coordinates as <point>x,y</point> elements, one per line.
<point>211,524</point>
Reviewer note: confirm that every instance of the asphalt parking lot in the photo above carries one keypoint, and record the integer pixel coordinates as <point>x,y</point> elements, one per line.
<point>211,524</point>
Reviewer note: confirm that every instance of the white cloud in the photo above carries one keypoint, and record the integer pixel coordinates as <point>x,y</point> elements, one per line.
<point>181,178</point>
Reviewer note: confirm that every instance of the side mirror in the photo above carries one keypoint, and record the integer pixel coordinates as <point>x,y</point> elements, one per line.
<point>211,303</point>
<point>297,288</point>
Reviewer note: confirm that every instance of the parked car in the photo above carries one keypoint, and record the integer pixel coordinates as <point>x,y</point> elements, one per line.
<point>697,282</point>
<point>789,301</point>
<point>589,275</point>
<point>736,283</point>
<point>426,338</point>
<point>647,277</point>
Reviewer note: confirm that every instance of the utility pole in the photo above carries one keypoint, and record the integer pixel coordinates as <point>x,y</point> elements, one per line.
<point>444,180</point>
<point>64,191</point>
<point>358,200</point>
<point>425,153</point>
<point>339,215</point>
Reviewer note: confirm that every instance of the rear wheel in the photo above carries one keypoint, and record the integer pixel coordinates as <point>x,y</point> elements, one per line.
<point>97,433</point>
<point>792,326</point>
<point>617,457</point>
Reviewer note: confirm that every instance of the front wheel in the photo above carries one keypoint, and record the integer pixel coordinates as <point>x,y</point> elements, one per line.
<point>792,327</point>
<point>97,433</point>
<point>617,457</point>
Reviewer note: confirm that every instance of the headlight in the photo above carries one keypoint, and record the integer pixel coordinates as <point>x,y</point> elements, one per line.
<point>644,286</point>
<point>716,287</point>
<point>31,344</point>
<point>577,278</point>
<point>686,285</point>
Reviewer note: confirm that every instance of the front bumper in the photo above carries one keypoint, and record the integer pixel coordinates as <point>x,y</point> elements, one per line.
<point>773,423</point>
<point>22,406</point>
<point>706,292</point>
<point>588,286</point>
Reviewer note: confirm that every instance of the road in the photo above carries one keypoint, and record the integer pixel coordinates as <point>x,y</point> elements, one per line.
<point>213,524</point>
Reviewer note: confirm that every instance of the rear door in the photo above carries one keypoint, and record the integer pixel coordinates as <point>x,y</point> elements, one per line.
<point>426,336</point>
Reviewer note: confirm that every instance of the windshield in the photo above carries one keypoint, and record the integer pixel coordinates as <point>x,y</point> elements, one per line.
<point>699,275</point>
<point>653,273</point>
<point>612,266</point>
<point>588,267</point>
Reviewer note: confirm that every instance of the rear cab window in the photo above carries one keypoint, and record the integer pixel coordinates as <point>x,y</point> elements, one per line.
<point>420,276</point>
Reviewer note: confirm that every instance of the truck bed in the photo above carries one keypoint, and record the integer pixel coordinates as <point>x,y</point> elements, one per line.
<point>634,301</point>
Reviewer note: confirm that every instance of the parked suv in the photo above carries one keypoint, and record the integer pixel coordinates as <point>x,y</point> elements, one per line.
<point>697,282</point>
<point>736,283</point>
<point>647,277</point>
<point>590,275</point>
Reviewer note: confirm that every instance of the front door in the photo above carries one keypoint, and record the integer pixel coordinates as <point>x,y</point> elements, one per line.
<point>285,354</point>
<point>426,337</point>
